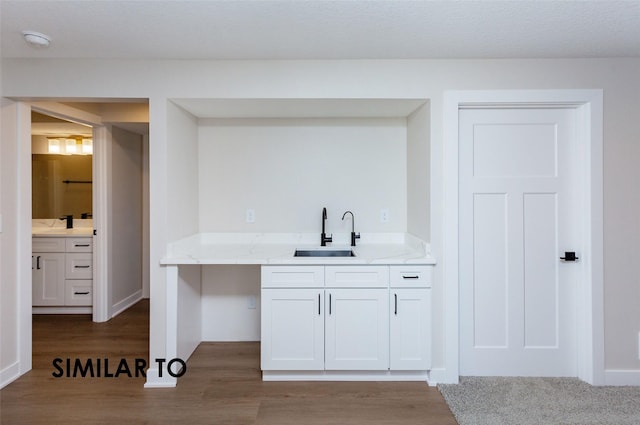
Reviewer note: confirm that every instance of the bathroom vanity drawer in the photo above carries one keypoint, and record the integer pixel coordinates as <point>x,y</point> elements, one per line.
<point>357,276</point>
<point>48,244</point>
<point>292,276</point>
<point>79,244</point>
<point>79,266</point>
<point>78,292</point>
<point>411,276</point>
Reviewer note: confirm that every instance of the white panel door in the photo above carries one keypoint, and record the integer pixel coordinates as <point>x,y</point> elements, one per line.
<point>292,329</point>
<point>48,279</point>
<point>357,329</point>
<point>518,215</point>
<point>410,329</point>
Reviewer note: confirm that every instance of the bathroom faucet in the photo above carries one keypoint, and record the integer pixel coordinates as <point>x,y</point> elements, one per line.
<point>354,235</point>
<point>69,219</point>
<point>323,236</point>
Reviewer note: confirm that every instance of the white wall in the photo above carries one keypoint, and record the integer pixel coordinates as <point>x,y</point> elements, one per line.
<point>126,219</point>
<point>287,170</point>
<point>418,173</point>
<point>226,292</point>
<point>424,79</point>
<point>181,172</point>
<point>15,251</point>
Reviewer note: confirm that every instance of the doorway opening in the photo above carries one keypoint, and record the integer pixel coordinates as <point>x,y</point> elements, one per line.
<point>107,197</point>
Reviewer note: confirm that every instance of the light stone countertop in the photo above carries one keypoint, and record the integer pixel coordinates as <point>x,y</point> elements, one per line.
<point>54,228</point>
<point>278,249</point>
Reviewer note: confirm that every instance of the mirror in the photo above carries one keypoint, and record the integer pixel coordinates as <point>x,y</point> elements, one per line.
<point>61,182</point>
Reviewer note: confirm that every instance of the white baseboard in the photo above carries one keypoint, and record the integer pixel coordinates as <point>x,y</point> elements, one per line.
<point>61,310</point>
<point>622,377</point>
<point>155,381</point>
<point>332,375</point>
<point>121,306</point>
<point>9,374</point>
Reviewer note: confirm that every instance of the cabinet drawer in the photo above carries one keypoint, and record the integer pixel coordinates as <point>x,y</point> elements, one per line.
<point>78,292</point>
<point>292,276</point>
<point>79,244</point>
<point>357,276</point>
<point>79,266</point>
<point>411,276</point>
<point>47,244</point>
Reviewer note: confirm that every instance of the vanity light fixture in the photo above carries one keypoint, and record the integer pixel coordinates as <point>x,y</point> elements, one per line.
<point>70,146</point>
<point>36,39</point>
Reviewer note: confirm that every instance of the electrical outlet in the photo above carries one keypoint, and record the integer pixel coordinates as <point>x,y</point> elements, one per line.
<point>384,215</point>
<point>250,215</point>
<point>252,302</point>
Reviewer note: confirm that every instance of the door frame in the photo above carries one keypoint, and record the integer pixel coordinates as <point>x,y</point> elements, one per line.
<point>590,296</point>
<point>101,259</point>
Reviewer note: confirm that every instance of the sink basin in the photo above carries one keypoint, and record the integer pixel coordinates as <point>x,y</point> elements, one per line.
<point>324,253</point>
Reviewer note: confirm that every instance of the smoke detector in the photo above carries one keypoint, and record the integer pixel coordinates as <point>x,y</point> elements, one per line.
<point>36,39</point>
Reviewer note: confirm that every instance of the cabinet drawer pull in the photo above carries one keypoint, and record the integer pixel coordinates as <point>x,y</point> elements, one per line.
<point>318,304</point>
<point>395,302</point>
<point>411,277</point>
<point>81,293</point>
<point>329,304</point>
<point>81,245</point>
<point>81,267</point>
<point>38,262</point>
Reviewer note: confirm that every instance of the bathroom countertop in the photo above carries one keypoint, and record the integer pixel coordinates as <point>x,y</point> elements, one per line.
<point>61,232</point>
<point>55,228</point>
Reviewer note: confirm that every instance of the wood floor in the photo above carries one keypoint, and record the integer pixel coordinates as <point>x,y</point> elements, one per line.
<point>222,385</point>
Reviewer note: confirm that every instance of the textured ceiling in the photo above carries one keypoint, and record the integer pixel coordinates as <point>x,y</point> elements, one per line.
<point>311,29</point>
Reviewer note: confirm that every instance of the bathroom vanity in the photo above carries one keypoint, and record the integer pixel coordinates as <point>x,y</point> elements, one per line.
<point>62,270</point>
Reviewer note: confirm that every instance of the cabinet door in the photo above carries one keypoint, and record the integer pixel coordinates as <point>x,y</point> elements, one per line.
<point>410,345</point>
<point>357,329</point>
<point>292,329</point>
<point>48,279</point>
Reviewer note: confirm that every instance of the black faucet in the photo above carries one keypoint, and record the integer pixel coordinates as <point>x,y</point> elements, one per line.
<point>69,219</point>
<point>323,236</point>
<point>354,235</point>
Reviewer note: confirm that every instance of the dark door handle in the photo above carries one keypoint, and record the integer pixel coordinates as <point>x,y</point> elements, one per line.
<point>395,309</point>
<point>81,267</point>
<point>81,293</point>
<point>569,256</point>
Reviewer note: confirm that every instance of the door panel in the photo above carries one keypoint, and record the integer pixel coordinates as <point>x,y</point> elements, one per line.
<point>292,329</point>
<point>517,198</point>
<point>357,329</point>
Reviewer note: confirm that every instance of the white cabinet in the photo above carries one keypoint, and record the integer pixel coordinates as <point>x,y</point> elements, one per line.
<point>410,317</point>
<point>62,271</point>
<point>410,329</point>
<point>346,318</point>
<point>357,329</point>
<point>292,329</point>
<point>48,278</point>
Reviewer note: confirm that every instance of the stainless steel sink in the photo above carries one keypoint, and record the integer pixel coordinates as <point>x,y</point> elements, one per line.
<point>324,253</point>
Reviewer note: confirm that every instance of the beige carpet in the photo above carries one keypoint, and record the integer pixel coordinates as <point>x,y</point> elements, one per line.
<point>540,401</point>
